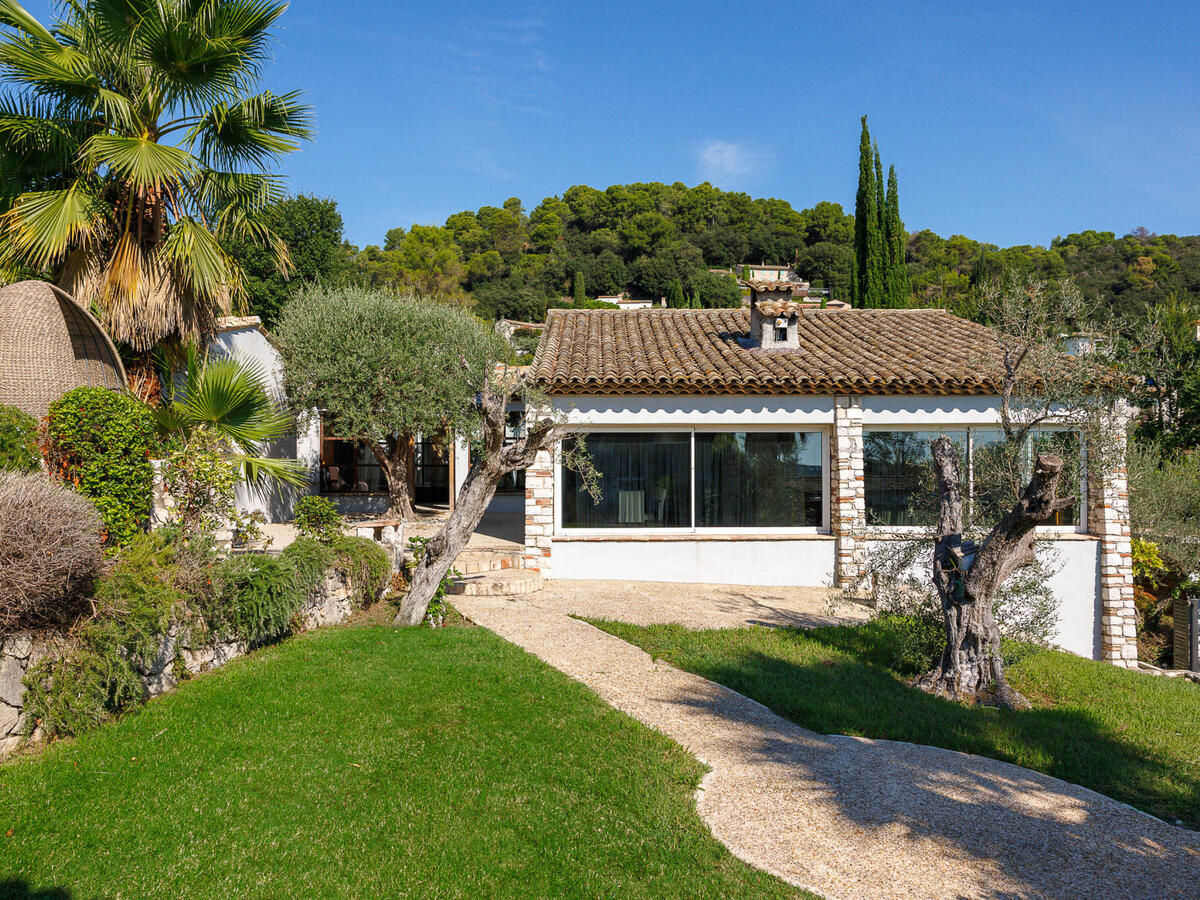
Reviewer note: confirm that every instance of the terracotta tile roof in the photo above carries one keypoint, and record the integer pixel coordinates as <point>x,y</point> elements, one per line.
<point>864,351</point>
<point>784,307</point>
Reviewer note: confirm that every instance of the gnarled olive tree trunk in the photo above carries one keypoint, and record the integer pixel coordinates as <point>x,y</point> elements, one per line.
<point>396,457</point>
<point>493,463</point>
<point>968,578</point>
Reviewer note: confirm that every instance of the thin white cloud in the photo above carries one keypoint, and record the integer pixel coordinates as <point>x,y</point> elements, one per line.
<point>723,161</point>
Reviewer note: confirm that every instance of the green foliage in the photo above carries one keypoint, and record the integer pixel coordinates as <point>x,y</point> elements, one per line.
<point>226,405</point>
<point>869,247</point>
<point>309,559</point>
<point>636,238</point>
<point>425,361</point>
<point>200,479</point>
<point>100,442</point>
<point>18,441</point>
<point>366,563</point>
<point>311,228</point>
<point>259,595</point>
<point>74,691</point>
<point>135,140</point>
<point>317,517</point>
<point>94,674</point>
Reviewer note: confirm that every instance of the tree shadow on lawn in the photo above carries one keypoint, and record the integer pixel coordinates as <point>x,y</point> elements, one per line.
<point>16,889</point>
<point>1036,835</point>
<point>843,686</point>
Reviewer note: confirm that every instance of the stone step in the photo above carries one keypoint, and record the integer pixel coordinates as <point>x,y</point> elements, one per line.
<point>506,583</point>
<point>474,562</point>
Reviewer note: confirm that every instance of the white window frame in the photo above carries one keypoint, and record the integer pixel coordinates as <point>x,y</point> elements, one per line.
<point>708,532</point>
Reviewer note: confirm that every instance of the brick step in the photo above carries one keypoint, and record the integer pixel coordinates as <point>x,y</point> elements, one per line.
<point>475,562</point>
<point>505,583</point>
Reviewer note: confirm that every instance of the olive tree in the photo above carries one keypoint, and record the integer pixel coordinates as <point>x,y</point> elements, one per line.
<point>382,369</point>
<point>1043,378</point>
<point>491,461</point>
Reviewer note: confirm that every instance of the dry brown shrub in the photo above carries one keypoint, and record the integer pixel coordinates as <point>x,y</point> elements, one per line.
<point>49,548</point>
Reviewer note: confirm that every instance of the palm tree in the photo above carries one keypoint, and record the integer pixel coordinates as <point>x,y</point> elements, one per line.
<point>229,400</point>
<point>132,142</point>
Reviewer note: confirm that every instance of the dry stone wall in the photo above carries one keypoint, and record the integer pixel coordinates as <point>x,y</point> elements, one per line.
<point>331,603</point>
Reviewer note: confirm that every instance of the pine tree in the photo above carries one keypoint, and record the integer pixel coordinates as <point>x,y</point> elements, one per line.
<point>675,299</point>
<point>580,296</point>
<point>898,286</point>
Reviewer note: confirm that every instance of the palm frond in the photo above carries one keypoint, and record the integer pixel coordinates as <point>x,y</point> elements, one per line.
<point>254,130</point>
<point>41,226</point>
<point>197,256</point>
<point>138,160</point>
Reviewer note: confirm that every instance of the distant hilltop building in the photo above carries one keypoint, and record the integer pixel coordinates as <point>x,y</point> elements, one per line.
<point>747,273</point>
<point>781,282</point>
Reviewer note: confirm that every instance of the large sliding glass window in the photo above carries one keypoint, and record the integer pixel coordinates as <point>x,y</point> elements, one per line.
<point>758,479</point>
<point>645,482</point>
<point>702,479</point>
<point>901,488</point>
<point>898,477</point>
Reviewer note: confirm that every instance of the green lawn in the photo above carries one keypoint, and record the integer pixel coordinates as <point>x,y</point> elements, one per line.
<point>1133,737</point>
<point>368,762</point>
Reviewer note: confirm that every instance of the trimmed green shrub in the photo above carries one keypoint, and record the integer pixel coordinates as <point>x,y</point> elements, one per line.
<point>100,442</point>
<point>317,517</point>
<point>18,441</point>
<point>366,562</point>
<point>259,595</point>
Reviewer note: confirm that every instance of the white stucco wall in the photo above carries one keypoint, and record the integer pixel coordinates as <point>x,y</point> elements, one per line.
<point>248,343</point>
<point>1074,561</point>
<point>804,563</point>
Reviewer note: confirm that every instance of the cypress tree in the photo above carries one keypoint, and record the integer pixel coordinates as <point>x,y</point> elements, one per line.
<point>864,218</point>
<point>879,249</point>
<point>580,296</point>
<point>898,284</point>
<point>675,295</point>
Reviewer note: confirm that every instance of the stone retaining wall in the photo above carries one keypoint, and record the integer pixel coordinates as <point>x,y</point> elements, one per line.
<point>331,603</point>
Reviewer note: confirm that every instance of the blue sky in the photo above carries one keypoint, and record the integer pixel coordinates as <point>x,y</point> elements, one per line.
<point>1008,122</point>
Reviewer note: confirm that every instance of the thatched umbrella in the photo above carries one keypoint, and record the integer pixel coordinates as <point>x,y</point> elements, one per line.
<point>49,345</point>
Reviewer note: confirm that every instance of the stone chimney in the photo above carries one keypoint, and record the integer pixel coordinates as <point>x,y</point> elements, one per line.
<point>775,324</point>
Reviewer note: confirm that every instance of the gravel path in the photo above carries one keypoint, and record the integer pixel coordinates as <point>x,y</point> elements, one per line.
<point>696,605</point>
<point>849,817</point>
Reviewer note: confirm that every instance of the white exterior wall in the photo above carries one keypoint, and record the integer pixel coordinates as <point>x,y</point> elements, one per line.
<point>771,559</point>
<point>248,343</point>
<point>1074,563</point>
<point>799,562</point>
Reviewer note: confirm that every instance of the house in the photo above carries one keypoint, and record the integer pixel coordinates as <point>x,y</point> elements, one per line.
<point>626,302</point>
<point>766,273</point>
<point>777,445</point>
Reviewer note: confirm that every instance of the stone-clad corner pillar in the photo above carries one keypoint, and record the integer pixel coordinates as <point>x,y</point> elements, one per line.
<point>848,513</point>
<point>1108,519</point>
<point>539,512</point>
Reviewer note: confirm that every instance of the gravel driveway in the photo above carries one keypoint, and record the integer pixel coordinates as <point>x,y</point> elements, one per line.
<point>854,818</point>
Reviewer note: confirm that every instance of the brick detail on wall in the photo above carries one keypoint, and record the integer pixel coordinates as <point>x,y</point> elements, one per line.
<point>539,512</point>
<point>848,513</point>
<point>1108,519</point>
